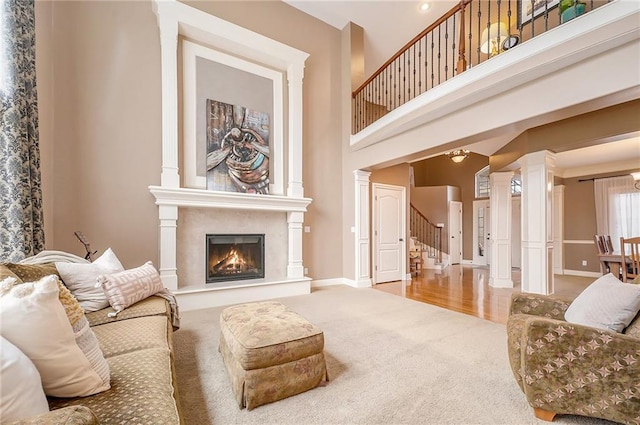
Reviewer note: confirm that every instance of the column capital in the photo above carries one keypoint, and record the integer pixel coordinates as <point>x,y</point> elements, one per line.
<point>361,175</point>
<point>501,176</point>
<point>295,73</point>
<point>547,158</point>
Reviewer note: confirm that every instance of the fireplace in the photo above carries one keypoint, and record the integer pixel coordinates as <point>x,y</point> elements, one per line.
<point>234,257</point>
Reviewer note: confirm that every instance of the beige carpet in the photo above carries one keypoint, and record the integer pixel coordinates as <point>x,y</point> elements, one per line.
<point>391,360</point>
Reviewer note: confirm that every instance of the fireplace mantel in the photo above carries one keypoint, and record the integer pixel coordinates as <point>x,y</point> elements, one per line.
<point>199,198</point>
<point>250,52</point>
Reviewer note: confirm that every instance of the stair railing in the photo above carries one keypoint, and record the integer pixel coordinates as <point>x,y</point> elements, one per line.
<point>426,233</point>
<point>467,35</point>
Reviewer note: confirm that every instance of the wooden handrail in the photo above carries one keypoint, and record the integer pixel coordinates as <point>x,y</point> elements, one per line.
<point>430,58</point>
<point>431,236</point>
<point>420,214</point>
<point>441,20</point>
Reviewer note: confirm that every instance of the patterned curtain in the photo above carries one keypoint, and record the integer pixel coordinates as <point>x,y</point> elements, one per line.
<point>21,216</point>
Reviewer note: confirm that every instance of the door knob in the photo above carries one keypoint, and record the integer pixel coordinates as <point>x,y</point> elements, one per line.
<point>401,240</point>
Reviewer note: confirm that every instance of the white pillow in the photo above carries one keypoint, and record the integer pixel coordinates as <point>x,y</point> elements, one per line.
<point>130,286</point>
<point>20,386</point>
<point>81,279</point>
<point>34,320</point>
<point>607,303</point>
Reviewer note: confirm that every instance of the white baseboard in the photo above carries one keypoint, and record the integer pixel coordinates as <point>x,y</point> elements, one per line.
<point>216,296</point>
<point>332,282</point>
<point>582,273</point>
<point>364,283</point>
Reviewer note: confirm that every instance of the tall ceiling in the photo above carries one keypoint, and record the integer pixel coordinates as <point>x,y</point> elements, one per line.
<point>389,24</point>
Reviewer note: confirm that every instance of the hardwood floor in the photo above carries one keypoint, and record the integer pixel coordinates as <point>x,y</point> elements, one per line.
<point>466,289</point>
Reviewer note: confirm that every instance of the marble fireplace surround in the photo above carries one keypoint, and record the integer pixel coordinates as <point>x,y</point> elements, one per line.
<point>186,214</point>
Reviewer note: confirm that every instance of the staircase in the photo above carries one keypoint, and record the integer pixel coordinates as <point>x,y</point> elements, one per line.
<point>426,238</point>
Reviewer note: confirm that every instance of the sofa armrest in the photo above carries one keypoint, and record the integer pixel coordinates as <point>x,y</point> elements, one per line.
<point>570,368</point>
<point>70,415</point>
<point>538,305</point>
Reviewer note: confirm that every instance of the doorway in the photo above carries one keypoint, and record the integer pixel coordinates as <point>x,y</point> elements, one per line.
<point>455,232</point>
<point>389,224</point>
<point>481,233</point>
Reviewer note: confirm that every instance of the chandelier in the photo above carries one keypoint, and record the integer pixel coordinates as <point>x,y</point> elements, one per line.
<point>458,155</point>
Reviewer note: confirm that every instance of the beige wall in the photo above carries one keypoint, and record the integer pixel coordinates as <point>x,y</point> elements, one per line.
<point>580,221</point>
<point>105,140</point>
<point>104,85</point>
<point>433,203</point>
<point>579,225</point>
<point>44,77</point>
<point>613,122</point>
<point>441,171</point>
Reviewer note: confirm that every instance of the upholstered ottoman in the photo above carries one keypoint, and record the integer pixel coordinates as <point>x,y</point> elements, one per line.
<point>270,352</point>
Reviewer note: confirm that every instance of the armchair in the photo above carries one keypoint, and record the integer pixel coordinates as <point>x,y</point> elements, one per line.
<point>567,368</point>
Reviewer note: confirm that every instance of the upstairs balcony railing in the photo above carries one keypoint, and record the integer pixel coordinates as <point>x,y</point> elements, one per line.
<point>470,33</point>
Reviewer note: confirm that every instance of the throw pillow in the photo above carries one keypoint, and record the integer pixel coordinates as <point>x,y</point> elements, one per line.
<point>607,303</point>
<point>81,279</point>
<point>31,272</point>
<point>37,272</point>
<point>130,286</point>
<point>34,320</point>
<point>20,386</point>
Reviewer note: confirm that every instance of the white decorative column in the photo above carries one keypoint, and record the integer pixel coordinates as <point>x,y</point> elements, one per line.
<point>537,217</point>
<point>363,237</point>
<point>295,268</point>
<point>500,201</point>
<point>168,26</point>
<point>295,73</point>
<point>168,215</point>
<point>169,176</point>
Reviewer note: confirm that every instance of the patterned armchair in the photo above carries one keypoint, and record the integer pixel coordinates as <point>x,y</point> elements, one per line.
<point>566,368</point>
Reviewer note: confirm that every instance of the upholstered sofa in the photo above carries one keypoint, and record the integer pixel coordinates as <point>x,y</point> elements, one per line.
<point>137,345</point>
<point>568,368</point>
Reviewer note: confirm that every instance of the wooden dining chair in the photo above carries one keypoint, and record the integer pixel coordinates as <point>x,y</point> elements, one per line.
<point>599,241</point>
<point>630,252</point>
<point>608,245</point>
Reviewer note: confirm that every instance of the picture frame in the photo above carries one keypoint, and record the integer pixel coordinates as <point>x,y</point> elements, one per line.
<point>191,158</point>
<point>526,13</point>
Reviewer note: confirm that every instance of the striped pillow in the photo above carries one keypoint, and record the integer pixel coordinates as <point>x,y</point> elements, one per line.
<point>126,288</point>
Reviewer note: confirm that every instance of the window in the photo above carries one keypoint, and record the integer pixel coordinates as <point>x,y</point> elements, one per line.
<point>483,186</point>
<point>516,185</point>
<point>482,183</point>
<point>617,207</point>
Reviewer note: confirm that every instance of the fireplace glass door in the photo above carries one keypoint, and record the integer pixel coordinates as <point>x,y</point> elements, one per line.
<point>234,257</point>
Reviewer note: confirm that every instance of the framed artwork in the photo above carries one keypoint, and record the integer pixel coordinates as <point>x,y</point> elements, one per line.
<point>530,9</point>
<point>198,87</point>
<point>237,148</point>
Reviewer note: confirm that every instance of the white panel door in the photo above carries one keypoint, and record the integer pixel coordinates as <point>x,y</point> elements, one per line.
<point>455,232</point>
<point>389,224</point>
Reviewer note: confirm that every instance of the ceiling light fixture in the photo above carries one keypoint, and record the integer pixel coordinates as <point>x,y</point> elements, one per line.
<point>424,7</point>
<point>458,155</point>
